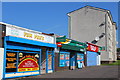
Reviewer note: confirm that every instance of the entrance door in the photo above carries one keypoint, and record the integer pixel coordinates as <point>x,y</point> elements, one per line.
<point>72,60</point>
<point>47,64</point>
<point>50,62</point>
<point>43,60</point>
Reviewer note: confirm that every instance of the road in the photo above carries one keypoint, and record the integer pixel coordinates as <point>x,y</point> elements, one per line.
<point>87,72</point>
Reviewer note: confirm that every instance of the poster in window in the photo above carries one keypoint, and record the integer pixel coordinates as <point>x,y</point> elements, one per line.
<point>67,56</point>
<point>28,62</point>
<point>61,56</point>
<point>67,59</point>
<point>49,61</point>
<point>11,60</point>
<point>62,60</point>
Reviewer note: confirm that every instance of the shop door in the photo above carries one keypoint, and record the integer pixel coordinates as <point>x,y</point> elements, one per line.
<point>72,61</point>
<point>91,58</point>
<point>47,65</point>
<point>50,62</point>
<point>43,60</point>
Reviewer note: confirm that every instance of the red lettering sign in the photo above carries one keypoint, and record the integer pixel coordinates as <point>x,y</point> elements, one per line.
<point>28,64</point>
<point>92,48</point>
<point>59,44</point>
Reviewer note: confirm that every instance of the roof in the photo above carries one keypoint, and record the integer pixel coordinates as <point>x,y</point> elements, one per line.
<point>95,8</point>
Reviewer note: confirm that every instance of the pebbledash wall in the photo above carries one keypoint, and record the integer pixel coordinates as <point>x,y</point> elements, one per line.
<point>25,52</point>
<point>94,25</point>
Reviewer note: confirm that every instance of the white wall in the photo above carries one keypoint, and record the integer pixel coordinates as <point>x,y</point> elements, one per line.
<point>1,62</point>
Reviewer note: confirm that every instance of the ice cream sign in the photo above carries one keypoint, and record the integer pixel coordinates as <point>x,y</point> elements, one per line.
<point>92,47</point>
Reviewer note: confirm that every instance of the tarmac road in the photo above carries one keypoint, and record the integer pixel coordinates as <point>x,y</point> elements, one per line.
<point>87,72</point>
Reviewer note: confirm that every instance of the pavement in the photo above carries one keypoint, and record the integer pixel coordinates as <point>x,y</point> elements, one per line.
<point>87,72</point>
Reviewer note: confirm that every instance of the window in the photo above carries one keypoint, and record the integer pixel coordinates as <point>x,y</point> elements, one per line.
<point>64,59</point>
<point>22,61</point>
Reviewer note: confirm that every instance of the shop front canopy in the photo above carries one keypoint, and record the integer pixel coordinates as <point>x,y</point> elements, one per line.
<point>69,44</point>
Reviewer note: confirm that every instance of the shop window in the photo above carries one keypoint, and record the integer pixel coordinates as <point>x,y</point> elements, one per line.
<point>28,62</point>
<point>64,59</point>
<point>22,62</point>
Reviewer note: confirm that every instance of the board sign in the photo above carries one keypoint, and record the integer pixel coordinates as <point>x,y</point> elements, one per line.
<point>92,48</point>
<point>22,33</point>
<point>28,62</point>
<point>11,60</point>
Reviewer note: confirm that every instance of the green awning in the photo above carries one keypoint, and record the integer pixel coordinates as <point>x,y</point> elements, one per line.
<point>70,47</point>
<point>72,44</point>
<point>61,39</point>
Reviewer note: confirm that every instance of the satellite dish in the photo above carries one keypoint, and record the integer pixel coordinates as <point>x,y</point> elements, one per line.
<point>97,39</point>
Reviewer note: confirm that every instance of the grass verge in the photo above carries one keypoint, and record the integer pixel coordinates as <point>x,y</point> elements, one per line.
<point>115,63</point>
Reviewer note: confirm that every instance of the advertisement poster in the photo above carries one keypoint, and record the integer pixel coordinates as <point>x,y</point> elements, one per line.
<point>49,61</point>
<point>80,57</point>
<point>62,60</point>
<point>67,56</point>
<point>28,62</point>
<point>11,60</point>
<point>61,56</point>
<point>67,59</point>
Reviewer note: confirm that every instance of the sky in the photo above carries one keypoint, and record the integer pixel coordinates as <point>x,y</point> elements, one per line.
<point>48,17</point>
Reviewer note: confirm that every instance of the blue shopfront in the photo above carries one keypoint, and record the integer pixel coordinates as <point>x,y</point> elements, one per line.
<point>23,54</point>
<point>93,55</point>
<point>70,55</point>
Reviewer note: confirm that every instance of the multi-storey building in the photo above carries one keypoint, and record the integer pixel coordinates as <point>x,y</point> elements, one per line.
<point>95,25</point>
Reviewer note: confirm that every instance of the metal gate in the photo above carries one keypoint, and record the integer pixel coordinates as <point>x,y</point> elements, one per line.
<point>91,58</point>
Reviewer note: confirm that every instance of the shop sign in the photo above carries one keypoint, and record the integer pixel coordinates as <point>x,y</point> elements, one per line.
<point>92,48</point>
<point>11,59</point>
<point>29,62</point>
<point>59,44</point>
<point>22,33</point>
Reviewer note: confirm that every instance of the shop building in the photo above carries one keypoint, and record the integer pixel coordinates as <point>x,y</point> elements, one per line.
<point>70,55</point>
<point>94,25</point>
<point>25,52</point>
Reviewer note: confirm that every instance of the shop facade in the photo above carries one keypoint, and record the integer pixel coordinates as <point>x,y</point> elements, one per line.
<point>25,52</point>
<point>70,54</point>
<point>93,55</point>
